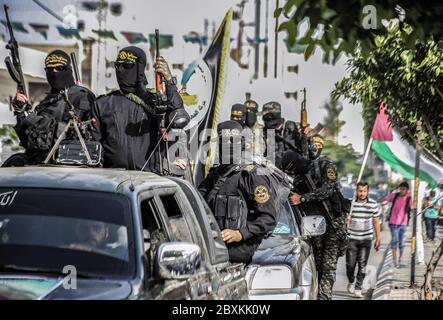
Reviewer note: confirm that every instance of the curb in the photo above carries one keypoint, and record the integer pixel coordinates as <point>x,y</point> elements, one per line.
<point>383,285</point>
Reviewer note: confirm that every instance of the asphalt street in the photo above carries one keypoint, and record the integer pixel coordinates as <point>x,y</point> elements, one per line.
<point>375,258</point>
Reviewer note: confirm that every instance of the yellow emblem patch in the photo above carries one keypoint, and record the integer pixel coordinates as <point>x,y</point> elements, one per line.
<point>331,174</point>
<point>123,55</point>
<point>248,168</point>
<point>261,194</point>
<point>55,59</point>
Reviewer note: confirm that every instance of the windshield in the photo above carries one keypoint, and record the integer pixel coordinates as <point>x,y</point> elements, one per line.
<point>47,230</point>
<point>285,225</point>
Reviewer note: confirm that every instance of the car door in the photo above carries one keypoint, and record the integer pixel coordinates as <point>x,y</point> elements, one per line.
<point>156,231</point>
<point>307,253</point>
<point>180,218</point>
<point>228,280</point>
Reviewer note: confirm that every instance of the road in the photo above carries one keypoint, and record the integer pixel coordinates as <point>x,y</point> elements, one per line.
<point>375,258</point>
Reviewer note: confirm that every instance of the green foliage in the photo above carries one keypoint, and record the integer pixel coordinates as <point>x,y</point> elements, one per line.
<point>409,81</point>
<point>9,137</point>
<point>332,122</point>
<point>345,23</point>
<point>345,159</point>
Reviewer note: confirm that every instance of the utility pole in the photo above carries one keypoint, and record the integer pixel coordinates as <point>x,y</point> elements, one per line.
<point>265,66</point>
<point>276,44</point>
<point>415,211</point>
<point>257,38</point>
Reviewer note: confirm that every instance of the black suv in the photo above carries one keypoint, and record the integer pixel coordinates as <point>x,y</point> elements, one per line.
<point>77,233</point>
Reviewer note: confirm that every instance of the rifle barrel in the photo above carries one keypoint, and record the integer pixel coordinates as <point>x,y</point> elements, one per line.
<point>75,67</point>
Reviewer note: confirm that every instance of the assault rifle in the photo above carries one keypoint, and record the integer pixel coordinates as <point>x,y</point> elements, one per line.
<point>12,61</point>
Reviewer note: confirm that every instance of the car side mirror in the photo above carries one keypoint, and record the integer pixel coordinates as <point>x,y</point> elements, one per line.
<point>177,260</point>
<point>313,226</point>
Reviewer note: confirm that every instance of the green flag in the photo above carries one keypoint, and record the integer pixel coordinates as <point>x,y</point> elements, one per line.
<point>105,34</point>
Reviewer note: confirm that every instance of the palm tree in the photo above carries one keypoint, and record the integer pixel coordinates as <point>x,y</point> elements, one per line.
<point>333,124</point>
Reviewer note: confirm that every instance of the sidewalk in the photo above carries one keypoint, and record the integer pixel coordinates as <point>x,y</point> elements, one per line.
<point>394,284</point>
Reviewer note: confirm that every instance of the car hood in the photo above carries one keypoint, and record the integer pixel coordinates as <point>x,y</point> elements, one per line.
<point>49,288</point>
<point>277,250</point>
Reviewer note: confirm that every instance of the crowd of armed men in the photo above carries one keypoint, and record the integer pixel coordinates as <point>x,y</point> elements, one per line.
<point>244,197</point>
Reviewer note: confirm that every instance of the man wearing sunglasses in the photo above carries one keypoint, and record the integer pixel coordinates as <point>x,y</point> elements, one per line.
<point>39,128</point>
<point>128,119</point>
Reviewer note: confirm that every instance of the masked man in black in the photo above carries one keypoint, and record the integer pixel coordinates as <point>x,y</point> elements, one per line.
<point>324,198</point>
<point>38,129</point>
<point>128,120</point>
<point>242,199</point>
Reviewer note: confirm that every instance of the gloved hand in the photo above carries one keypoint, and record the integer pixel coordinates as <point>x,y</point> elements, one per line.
<point>20,103</point>
<point>161,66</point>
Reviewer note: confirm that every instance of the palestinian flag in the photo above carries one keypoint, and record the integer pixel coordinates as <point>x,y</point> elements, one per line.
<point>105,34</point>
<point>399,154</point>
<point>134,37</point>
<point>207,78</point>
<point>40,28</point>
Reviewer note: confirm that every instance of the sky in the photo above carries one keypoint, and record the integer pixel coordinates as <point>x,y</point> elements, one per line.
<point>178,17</point>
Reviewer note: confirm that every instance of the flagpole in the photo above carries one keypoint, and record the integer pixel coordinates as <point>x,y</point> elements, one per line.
<point>362,169</point>
<point>365,159</point>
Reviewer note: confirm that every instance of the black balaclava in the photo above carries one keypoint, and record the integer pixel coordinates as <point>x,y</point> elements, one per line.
<point>273,120</point>
<point>294,163</point>
<point>238,113</point>
<point>61,79</point>
<point>229,142</point>
<point>251,115</point>
<point>132,80</point>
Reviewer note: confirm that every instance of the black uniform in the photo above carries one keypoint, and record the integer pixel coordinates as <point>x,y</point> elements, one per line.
<point>241,198</point>
<point>129,129</point>
<point>331,245</point>
<point>128,120</point>
<point>39,130</point>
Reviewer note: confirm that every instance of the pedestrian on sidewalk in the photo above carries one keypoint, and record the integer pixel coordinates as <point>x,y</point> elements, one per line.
<point>398,220</point>
<point>431,214</point>
<point>363,220</point>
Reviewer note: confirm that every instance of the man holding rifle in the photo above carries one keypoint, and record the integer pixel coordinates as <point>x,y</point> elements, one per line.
<point>316,191</point>
<point>39,128</point>
<point>130,122</point>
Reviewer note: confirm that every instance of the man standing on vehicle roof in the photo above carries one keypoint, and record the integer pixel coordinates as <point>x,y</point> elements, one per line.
<point>39,128</point>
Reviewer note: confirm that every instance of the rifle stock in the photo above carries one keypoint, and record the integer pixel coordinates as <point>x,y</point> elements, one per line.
<point>12,62</point>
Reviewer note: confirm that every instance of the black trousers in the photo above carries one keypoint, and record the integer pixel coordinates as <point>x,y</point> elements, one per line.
<point>357,254</point>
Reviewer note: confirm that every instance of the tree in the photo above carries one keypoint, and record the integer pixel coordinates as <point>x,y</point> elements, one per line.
<point>408,80</point>
<point>333,124</point>
<point>345,159</point>
<point>339,26</point>
<point>8,137</point>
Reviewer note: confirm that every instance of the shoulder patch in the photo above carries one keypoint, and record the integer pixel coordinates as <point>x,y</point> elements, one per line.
<point>261,194</point>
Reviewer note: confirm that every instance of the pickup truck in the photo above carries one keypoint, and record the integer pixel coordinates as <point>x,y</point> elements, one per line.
<point>80,233</point>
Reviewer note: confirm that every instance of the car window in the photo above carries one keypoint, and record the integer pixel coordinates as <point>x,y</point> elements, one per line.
<point>43,229</point>
<point>153,231</point>
<point>286,223</point>
<point>218,252</point>
<point>179,228</point>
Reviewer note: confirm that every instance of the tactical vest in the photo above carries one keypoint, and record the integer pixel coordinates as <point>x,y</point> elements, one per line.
<point>229,205</point>
<point>336,202</point>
